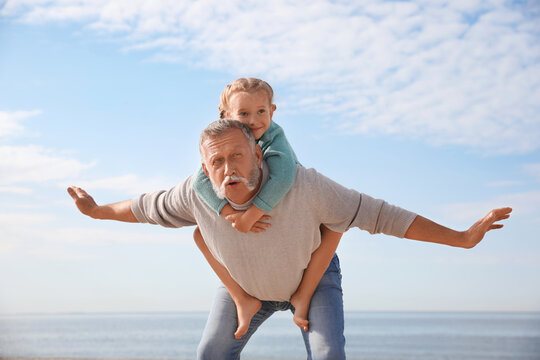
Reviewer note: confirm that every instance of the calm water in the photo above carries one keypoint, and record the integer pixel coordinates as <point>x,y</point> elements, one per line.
<point>370,336</point>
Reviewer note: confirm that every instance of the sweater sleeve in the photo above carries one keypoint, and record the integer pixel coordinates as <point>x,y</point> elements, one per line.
<point>203,188</point>
<point>340,208</point>
<point>172,208</point>
<point>379,217</point>
<point>281,162</point>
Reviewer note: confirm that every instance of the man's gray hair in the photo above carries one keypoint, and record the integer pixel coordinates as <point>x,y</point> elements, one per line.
<point>221,126</point>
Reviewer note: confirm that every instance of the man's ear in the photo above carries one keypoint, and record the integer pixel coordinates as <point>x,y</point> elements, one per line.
<point>258,154</point>
<point>205,169</point>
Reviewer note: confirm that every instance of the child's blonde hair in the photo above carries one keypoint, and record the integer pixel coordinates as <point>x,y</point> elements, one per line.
<point>250,85</point>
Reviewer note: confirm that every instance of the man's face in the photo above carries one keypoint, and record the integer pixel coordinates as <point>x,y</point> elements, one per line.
<point>253,109</point>
<point>227,160</point>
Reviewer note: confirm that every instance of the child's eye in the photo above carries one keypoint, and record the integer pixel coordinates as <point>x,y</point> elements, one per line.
<point>243,113</point>
<point>261,111</point>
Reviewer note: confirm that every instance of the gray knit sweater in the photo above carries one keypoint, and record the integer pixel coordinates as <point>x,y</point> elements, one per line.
<point>269,265</point>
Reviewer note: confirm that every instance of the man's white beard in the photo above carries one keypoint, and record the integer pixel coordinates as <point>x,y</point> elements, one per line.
<point>250,183</point>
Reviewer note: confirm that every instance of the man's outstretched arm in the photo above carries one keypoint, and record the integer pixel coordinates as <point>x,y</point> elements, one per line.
<point>426,230</point>
<point>120,211</point>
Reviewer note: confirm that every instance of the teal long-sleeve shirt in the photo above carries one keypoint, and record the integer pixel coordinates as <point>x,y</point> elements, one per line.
<point>281,161</point>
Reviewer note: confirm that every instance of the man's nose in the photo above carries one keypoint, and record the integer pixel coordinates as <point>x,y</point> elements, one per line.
<point>229,168</point>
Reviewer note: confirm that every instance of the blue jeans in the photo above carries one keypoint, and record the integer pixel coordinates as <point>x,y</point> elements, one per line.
<point>324,340</point>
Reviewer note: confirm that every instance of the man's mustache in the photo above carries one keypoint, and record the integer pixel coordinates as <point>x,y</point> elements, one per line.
<point>249,183</point>
<point>220,191</point>
<point>233,178</point>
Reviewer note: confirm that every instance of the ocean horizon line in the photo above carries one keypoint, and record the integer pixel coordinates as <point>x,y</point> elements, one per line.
<point>169,312</point>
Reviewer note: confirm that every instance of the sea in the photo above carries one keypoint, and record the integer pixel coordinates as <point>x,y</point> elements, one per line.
<point>369,336</point>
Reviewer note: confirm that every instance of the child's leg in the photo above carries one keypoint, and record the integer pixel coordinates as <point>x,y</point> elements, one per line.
<point>320,259</point>
<point>246,305</point>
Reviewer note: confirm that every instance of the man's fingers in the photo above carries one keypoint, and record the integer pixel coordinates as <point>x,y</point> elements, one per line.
<point>71,193</point>
<point>494,216</point>
<point>497,215</point>
<point>502,213</point>
<point>76,192</point>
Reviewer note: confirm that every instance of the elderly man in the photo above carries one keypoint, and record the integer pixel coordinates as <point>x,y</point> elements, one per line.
<point>270,265</point>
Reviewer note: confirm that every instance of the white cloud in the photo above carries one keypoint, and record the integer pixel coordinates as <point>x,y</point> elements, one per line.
<point>130,184</point>
<point>459,72</point>
<point>524,203</point>
<point>504,183</point>
<point>16,190</point>
<point>533,169</point>
<point>10,122</point>
<point>30,163</point>
<point>451,259</point>
<point>42,234</point>
<point>99,236</point>
<point>15,219</point>
<point>35,164</point>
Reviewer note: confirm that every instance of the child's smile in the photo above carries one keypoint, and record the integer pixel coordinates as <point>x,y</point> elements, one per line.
<point>253,109</point>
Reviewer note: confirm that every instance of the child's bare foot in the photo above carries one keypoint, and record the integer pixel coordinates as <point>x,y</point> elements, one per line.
<point>246,308</point>
<point>301,309</point>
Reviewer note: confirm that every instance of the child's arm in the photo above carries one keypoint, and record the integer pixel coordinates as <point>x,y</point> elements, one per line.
<point>203,188</point>
<point>320,259</point>
<point>232,215</point>
<point>246,305</point>
<point>245,221</point>
<point>281,162</point>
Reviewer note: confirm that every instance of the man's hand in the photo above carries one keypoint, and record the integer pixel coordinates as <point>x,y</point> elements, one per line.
<point>476,233</point>
<point>259,226</point>
<point>120,211</point>
<point>85,203</point>
<point>426,230</point>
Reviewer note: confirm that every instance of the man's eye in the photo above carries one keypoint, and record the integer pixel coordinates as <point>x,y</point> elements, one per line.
<point>217,162</point>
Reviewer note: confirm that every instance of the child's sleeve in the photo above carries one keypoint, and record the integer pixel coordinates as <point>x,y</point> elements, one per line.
<point>203,188</point>
<point>281,162</point>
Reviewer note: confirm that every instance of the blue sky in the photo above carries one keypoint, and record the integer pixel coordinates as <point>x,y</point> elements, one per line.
<point>433,107</point>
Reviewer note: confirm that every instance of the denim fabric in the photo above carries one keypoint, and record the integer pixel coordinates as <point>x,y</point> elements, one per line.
<point>324,340</point>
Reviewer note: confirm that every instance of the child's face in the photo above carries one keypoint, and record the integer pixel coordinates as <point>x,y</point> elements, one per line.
<point>253,109</point>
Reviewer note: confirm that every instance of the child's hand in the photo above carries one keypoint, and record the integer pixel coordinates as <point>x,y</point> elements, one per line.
<point>242,223</point>
<point>227,210</point>
<point>259,226</point>
<point>248,219</point>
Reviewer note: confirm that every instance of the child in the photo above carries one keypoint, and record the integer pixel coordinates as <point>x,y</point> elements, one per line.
<point>250,101</point>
